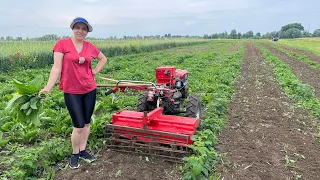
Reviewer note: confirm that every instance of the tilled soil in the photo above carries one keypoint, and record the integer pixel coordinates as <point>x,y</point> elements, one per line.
<point>301,70</point>
<point>309,55</point>
<point>121,166</point>
<point>266,136</point>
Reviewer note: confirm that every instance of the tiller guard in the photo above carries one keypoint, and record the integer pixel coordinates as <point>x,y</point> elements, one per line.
<point>151,133</point>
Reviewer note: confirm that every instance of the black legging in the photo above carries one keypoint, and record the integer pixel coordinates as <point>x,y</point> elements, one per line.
<point>80,107</point>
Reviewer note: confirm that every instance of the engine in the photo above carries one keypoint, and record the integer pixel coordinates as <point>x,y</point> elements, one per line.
<point>177,81</point>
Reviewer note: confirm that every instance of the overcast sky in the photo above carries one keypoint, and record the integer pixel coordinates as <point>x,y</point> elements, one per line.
<point>34,18</point>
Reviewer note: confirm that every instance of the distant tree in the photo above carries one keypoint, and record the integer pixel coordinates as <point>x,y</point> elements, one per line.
<point>270,35</point>
<point>214,36</point>
<point>2,38</point>
<point>48,37</point>
<point>258,34</point>
<point>292,33</point>
<point>239,35</point>
<point>316,33</point>
<point>233,34</point>
<point>9,38</point>
<point>249,34</point>
<point>223,35</point>
<point>292,25</point>
<point>306,34</point>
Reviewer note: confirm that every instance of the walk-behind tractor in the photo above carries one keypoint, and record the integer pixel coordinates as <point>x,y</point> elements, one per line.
<point>157,126</point>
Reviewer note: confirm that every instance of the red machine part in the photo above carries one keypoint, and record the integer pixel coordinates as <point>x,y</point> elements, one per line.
<point>166,74</point>
<point>182,73</point>
<point>156,127</point>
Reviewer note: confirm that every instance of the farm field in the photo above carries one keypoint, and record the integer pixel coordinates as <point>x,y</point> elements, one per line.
<point>307,44</point>
<point>260,105</point>
<point>25,47</point>
<point>269,136</point>
<point>37,54</point>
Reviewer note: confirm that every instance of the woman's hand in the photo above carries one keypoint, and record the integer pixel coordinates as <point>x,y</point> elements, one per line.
<point>94,72</point>
<point>45,91</point>
<point>81,60</point>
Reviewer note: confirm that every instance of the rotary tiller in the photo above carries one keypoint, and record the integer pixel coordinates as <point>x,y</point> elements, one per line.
<point>156,125</point>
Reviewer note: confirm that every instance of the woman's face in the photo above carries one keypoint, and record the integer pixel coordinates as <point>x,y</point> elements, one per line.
<point>80,31</point>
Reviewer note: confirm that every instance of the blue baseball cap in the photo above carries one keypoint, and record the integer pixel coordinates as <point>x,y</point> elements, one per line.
<point>81,20</point>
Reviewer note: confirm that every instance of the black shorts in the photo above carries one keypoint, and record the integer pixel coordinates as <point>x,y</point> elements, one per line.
<point>80,107</point>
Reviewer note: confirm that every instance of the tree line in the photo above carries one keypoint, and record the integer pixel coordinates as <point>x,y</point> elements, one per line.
<point>50,37</point>
<point>293,30</point>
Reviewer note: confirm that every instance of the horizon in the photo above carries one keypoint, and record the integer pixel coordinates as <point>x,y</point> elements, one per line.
<point>37,18</point>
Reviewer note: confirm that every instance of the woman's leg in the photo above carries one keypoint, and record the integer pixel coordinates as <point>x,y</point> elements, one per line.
<point>84,137</point>
<point>89,104</point>
<point>76,136</point>
<point>74,103</point>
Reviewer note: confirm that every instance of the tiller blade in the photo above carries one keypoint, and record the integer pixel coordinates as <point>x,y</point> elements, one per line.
<point>152,133</point>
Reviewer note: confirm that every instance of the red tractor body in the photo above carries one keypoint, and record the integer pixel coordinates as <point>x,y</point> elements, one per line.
<point>155,121</point>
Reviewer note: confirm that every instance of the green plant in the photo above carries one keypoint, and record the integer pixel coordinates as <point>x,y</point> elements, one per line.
<point>25,104</point>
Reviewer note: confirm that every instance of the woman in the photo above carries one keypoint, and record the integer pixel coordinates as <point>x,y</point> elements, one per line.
<point>72,63</point>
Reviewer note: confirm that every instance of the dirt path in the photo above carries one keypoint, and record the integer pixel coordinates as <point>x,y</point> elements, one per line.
<point>301,70</point>
<point>265,136</point>
<point>121,166</point>
<point>310,55</point>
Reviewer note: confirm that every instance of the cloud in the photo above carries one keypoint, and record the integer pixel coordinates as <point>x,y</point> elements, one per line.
<point>59,13</point>
<point>153,16</point>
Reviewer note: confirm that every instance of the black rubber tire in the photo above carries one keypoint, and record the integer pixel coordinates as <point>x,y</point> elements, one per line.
<point>142,102</point>
<point>193,108</point>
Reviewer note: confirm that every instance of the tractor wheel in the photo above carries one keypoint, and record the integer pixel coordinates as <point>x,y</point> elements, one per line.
<point>142,102</point>
<point>193,107</point>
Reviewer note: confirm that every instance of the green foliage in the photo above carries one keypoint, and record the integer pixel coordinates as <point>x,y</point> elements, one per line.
<point>316,33</point>
<point>32,60</point>
<point>291,33</point>
<point>233,34</point>
<point>36,143</point>
<point>302,58</point>
<point>3,141</point>
<point>303,94</point>
<point>35,161</point>
<point>26,102</point>
<point>217,87</point>
<point>297,26</point>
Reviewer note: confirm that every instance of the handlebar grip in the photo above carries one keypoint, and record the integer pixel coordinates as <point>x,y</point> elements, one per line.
<point>110,91</point>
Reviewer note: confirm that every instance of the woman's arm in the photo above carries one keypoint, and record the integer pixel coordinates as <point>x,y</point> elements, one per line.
<point>102,61</point>
<point>55,72</point>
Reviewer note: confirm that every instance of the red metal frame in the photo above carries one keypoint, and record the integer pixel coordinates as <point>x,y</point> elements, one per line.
<point>155,126</point>
<point>154,122</point>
